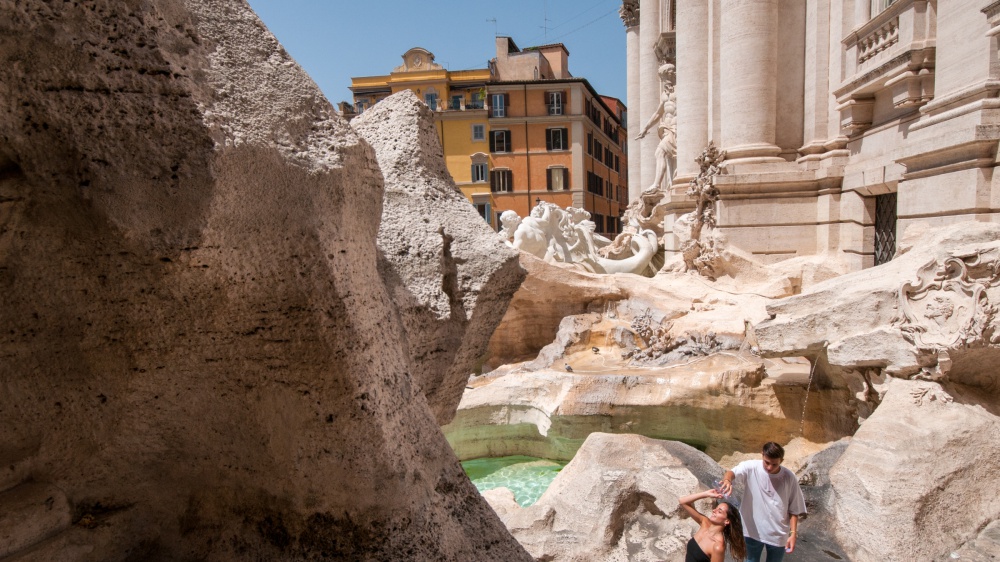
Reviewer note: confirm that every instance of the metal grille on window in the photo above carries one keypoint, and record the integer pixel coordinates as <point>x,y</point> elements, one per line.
<point>885,227</point>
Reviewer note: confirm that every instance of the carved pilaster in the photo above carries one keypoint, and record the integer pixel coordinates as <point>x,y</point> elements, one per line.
<point>629,13</point>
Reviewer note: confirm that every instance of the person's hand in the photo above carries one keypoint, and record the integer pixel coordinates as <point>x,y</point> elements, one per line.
<point>640,135</point>
<point>726,487</point>
<point>713,493</point>
<point>790,543</point>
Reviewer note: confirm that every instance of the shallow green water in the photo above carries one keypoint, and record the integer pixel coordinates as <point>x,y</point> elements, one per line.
<point>527,477</point>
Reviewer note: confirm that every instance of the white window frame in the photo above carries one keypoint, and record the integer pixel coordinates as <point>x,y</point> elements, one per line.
<point>879,6</point>
<point>561,134</point>
<point>480,173</point>
<point>556,103</point>
<point>481,129</point>
<point>497,106</point>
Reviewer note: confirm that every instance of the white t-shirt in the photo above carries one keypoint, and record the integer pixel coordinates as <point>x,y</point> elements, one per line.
<point>768,502</point>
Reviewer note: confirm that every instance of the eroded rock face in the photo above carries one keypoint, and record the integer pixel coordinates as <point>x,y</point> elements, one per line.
<point>930,313</point>
<point>441,262</point>
<point>198,347</point>
<point>913,482</point>
<point>617,497</point>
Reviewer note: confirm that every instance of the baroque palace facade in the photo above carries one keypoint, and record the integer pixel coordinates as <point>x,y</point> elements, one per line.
<point>844,121</point>
<point>521,131</point>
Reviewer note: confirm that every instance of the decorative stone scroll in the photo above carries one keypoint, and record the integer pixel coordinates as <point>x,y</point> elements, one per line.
<point>948,308</point>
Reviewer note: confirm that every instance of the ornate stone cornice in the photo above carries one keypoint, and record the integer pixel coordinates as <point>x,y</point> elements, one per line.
<point>666,48</point>
<point>629,13</point>
<point>992,12</point>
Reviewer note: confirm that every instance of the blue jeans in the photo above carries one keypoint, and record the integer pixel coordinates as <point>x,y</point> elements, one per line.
<point>755,548</point>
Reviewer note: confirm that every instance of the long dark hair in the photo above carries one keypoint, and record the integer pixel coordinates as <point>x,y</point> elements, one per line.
<point>733,533</point>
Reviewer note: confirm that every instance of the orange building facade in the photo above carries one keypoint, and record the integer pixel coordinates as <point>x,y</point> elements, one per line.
<point>521,132</point>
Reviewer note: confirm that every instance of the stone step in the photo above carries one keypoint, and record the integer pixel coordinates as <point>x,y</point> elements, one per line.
<point>29,514</point>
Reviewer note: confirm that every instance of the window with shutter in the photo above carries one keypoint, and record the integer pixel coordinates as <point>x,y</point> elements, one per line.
<point>500,141</point>
<point>557,179</point>
<point>501,181</point>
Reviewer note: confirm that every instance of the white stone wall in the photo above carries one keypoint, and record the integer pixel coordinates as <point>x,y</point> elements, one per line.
<point>822,108</point>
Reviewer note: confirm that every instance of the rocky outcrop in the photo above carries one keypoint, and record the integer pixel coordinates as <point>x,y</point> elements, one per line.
<point>914,482</point>
<point>440,261</point>
<point>617,498</point>
<point>721,404</point>
<point>929,313</point>
<point>199,351</point>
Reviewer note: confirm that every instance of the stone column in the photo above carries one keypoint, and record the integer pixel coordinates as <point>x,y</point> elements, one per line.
<point>630,17</point>
<point>748,64</point>
<point>693,97</point>
<point>649,87</point>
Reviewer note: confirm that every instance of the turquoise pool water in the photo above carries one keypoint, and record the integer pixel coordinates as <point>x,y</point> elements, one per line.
<point>527,477</point>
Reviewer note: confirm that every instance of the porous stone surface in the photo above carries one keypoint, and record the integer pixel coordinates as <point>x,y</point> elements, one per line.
<point>197,339</point>
<point>616,500</point>
<point>913,484</point>
<point>449,274</point>
<point>723,404</point>
<point>930,312</point>
<point>668,357</point>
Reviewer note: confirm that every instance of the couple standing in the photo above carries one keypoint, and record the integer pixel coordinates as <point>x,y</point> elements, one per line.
<point>767,517</point>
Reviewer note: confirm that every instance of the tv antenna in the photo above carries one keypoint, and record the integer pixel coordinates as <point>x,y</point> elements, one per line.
<point>545,20</point>
<point>495,32</point>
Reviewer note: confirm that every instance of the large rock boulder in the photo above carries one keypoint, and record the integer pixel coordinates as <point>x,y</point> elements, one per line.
<point>440,260</point>
<point>616,500</point>
<point>199,351</point>
<point>915,482</point>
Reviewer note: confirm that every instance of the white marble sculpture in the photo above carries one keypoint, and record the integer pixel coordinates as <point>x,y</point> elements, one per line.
<point>665,120</point>
<point>567,236</point>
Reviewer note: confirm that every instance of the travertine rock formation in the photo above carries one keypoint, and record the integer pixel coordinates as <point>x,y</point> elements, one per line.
<point>909,485</point>
<point>721,403</point>
<point>929,313</point>
<point>618,496</point>
<point>916,481</point>
<point>667,357</point>
<point>440,262</point>
<point>199,353</point>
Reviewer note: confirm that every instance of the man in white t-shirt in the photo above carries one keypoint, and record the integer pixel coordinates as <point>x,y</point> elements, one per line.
<point>771,504</point>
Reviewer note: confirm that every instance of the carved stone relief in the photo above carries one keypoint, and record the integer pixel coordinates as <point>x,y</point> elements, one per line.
<point>948,308</point>
<point>629,12</point>
<point>567,236</point>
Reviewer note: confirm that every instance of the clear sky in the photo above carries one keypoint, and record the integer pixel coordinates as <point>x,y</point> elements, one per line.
<point>334,40</point>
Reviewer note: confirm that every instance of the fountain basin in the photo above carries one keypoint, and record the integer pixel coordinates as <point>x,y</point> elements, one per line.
<point>527,477</point>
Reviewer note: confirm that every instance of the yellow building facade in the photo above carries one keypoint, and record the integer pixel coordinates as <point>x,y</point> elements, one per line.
<point>519,132</point>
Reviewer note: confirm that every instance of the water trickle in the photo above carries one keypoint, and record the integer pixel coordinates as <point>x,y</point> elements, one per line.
<point>812,371</point>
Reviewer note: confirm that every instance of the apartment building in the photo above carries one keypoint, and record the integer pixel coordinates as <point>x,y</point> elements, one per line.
<point>521,131</point>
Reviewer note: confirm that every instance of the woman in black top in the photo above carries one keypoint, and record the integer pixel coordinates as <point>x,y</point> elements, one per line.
<point>718,529</point>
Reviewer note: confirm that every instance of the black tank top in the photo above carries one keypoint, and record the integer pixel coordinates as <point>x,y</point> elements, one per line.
<point>695,553</point>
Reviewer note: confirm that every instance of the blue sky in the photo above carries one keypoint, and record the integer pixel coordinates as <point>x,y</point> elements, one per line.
<point>335,40</point>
